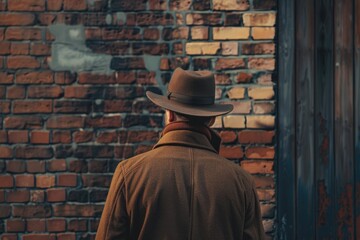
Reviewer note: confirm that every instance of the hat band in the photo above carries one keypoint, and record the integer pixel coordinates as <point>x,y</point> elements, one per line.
<point>193,100</point>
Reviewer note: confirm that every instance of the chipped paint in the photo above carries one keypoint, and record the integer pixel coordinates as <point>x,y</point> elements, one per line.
<point>324,202</point>
<point>345,228</point>
<point>69,51</point>
<point>152,63</point>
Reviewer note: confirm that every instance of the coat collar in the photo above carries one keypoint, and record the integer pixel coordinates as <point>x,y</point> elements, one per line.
<point>184,134</point>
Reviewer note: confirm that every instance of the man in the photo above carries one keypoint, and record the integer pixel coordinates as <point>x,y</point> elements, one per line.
<point>182,189</point>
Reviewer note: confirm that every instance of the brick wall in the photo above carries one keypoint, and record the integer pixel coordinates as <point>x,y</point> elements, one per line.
<point>64,128</point>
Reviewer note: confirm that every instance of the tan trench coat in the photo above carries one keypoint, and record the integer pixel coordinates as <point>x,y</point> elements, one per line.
<point>182,189</point>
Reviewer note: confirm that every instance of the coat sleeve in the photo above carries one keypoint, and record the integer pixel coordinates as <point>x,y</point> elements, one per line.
<point>253,228</point>
<point>114,222</point>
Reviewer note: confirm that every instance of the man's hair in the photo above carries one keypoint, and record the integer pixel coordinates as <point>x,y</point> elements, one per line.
<point>194,119</point>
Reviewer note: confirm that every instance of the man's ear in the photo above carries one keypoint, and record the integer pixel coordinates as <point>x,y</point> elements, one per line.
<point>172,116</point>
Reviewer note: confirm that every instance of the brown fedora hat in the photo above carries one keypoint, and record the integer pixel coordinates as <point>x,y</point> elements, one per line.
<point>191,93</point>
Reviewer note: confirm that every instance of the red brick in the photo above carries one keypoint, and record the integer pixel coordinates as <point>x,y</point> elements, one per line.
<point>5,211</point>
<point>251,137</point>
<point>61,137</point>
<point>231,152</point>
<point>15,225</point>
<point>31,211</point>
<point>56,225</point>
<point>15,166</point>
<point>104,122</point>
<point>35,225</point>
<point>65,122</point>
<point>5,107</point>
<point>4,48</point>
<point>3,136</point>
<point>77,225</point>
<point>40,137</point>
<point>6,78</point>
<point>229,63</point>
<point>34,166</point>
<point>22,33</point>
<point>67,180</point>
<point>38,236</point>
<point>9,236</point>
<point>92,180</point>
<point>258,167</point>
<point>6,181</point>
<point>45,92</point>
<point>76,210</point>
<point>74,5</point>
<point>44,106</point>
<point>119,77</point>
<point>45,181</point>
<point>26,5</point>
<point>83,136</point>
<point>56,165</point>
<point>151,33</point>
<point>37,196</point>
<point>260,152</point>
<point>107,137</point>
<point>40,49</point>
<point>2,92</point>
<point>18,196</point>
<point>16,19</point>
<point>116,106</point>
<point>32,152</point>
<point>18,62</point>
<point>72,106</point>
<point>63,78</point>
<point>16,92</point>
<point>261,63</point>
<point>82,92</point>
<point>6,152</point>
<point>19,49</point>
<point>204,19</point>
<point>54,5</point>
<point>24,180</point>
<point>34,77</point>
<point>67,236</point>
<point>18,136</point>
<point>2,196</point>
<point>28,122</point>
<point>56,195</point>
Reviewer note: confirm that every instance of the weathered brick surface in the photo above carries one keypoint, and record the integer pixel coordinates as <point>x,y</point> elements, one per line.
<point>63,133</point>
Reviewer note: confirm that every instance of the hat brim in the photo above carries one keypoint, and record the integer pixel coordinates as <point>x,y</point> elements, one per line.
<point>192,110</point>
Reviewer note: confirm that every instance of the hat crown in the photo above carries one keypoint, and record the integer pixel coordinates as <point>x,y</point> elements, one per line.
<point>194,84</point>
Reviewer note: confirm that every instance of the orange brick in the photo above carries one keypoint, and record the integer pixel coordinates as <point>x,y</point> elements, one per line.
<point>234,121</point>
<point>261,93</point>
<point>260,152</point>
<point>231,33</point>
<point>256,136</point>
<point>202,48</point>
<point>236,93</point>
<point>231,5</point>
<point>259,19</point>
<point>262,63</point>
<point>259,33</point>
<point>230,48</point>
<point>258,167</point>
<point>233,152</point>
<point>260,121</point>
<point>199,33</point>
